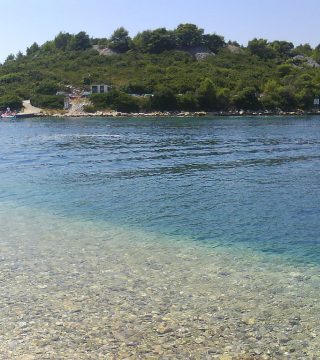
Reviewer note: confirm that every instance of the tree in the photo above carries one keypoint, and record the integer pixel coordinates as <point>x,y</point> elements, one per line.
<point>270,98</point>
<point>246,99</point>
<point>303,49</point>
<point>155,41</point>
<point>32,49</point>
<point>125,103</point>
<point>288,98</point>
<point>188,35</point>
<point>223,98</point>
<point>206,95</point>
<point>282,48</point>
<point>233,43</point>
<point>10,78</point>
<point>284,70</point>
<point>316,53</point>
<point>115,100</point>
<point>19,56</point>
<point>164,99</point>
<point>11,101</point>
<point>187,102</point>
<point>62,40</point>
<point>260,47</point>
<point>120,40</point>
<point>47,88</point>
<point>48,101</point>
<point>102,101</point>
<point>277,96</point>
<point>136,88</point>
<point>9,58</point>
<point>48,47</point>
<point>305,98</point>
<point>213,42</point>
<point>80,41</point>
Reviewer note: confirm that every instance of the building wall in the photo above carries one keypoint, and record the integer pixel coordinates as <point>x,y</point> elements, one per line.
<point>100,89</point>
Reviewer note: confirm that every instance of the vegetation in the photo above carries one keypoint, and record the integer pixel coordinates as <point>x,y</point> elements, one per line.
<point>11,101</point>
<point>162,63</point>
<point>48,101</point>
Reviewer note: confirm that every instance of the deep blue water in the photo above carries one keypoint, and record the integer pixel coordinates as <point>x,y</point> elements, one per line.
<point>252,182</point>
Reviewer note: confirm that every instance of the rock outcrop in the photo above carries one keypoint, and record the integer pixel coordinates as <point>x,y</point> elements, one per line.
<point>104,51</point>
<point>305,60</point>
<point>200,52</point>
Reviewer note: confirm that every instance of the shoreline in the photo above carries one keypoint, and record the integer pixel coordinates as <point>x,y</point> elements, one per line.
<point>169,114</point>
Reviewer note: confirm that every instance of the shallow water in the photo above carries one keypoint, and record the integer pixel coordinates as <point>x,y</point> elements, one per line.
<point>160,238</point>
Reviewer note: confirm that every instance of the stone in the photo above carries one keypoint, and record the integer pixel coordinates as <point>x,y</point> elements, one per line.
<point>163,329</point>
<point>249,321</point>
<point>199,340</point>
<point>225,357</point>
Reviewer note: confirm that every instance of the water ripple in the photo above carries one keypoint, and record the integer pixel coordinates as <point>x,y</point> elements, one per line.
<point>231,180</point>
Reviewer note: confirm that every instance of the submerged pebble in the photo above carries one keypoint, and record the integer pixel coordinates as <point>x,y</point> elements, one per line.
<point>102,303</point>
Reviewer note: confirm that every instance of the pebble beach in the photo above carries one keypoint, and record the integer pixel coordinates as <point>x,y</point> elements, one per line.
<point>106,293</point>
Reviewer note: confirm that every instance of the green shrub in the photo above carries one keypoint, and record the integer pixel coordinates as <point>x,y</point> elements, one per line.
<point>11,101</point>
<point>164,99</point>
<point>89,109</point>
<point>48,101</point>
<point>187,102</point>
<point>10,78</point>
<point>101,101</point>
<point>115,100</point>
<point>47,87</point>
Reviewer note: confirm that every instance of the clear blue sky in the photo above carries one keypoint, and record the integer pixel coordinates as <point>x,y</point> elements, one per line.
<point>26,21</point>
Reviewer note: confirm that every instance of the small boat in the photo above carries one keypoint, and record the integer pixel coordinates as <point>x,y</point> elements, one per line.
<point>9,114</point>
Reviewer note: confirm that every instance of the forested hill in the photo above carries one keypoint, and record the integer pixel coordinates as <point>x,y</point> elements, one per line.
<point>184,69</point>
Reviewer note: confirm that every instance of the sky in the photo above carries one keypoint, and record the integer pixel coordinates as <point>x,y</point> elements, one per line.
<point>26,21</point>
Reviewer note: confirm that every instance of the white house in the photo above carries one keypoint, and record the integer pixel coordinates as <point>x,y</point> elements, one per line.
<point>100,89</point>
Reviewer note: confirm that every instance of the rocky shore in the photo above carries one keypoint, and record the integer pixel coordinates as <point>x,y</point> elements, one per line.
<point>174,113</point>
<point>78,105</point>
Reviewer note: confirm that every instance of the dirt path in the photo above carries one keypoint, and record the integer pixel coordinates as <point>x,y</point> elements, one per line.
<point>29,109</point>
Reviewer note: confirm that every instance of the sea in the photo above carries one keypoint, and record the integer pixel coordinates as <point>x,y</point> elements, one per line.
<point>160,238</point>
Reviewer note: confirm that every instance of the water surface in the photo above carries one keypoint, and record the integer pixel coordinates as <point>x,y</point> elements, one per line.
<point>170,238</point>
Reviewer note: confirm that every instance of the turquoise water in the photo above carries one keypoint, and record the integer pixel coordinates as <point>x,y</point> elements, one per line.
<point>176,238</point>
<point>250,182</point>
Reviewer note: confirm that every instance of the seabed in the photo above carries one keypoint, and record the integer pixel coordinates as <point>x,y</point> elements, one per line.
<point>74,289</point>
